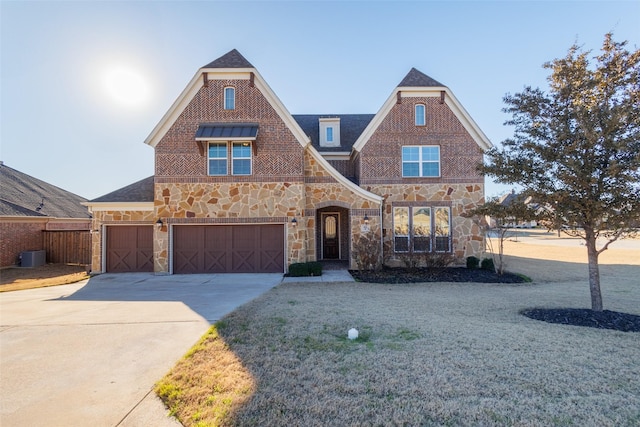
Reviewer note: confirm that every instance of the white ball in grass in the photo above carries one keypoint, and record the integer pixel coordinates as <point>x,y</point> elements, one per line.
<point>353,334</point>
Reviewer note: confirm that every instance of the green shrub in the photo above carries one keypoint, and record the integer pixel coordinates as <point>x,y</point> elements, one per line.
<point>315,268</point>
<point>303,269</point>
<point>487,264</point>
<point>473,262</point>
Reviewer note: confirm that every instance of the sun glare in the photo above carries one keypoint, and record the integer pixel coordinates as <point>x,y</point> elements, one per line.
<point>126,86</point>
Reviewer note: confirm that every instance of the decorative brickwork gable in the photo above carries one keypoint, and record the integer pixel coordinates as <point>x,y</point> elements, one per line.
<point>380,161</point>
<point>276,151</point>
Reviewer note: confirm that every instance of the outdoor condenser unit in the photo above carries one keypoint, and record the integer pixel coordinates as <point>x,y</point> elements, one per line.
<point>33,258</point>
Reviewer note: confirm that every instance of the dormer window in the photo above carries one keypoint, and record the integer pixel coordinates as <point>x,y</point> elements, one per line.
<point>330,132</point>
<point>420,115</point>
<point>229,98</point>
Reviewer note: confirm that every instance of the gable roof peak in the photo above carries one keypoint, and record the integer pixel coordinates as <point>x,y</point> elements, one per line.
<point>417,78</point>
<point>231,59</point>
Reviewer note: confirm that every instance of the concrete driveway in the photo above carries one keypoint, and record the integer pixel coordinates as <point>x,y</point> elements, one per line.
<point>89,353</point>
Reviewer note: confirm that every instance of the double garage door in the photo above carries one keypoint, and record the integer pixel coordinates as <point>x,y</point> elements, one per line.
<point>228,249</point>
<point>200,249</point>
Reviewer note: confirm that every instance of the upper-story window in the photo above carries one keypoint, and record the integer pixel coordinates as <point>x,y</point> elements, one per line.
<point>420,115</point>
<point>329,134</point>
<point>240,160</point>
<point>421,161</point>
<point>329,131</point>
<point>218,158</point>
<point>229,98</point>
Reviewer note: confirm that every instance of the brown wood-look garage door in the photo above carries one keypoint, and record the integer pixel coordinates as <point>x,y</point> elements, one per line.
<point>228,249</point>
<point>130,248</point>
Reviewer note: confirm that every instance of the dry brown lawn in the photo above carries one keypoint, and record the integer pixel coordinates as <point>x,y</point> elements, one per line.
<point>428,354</point>
<point>18,278</point>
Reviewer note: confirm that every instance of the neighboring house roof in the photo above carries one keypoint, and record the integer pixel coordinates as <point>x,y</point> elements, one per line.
<point>140,191</point>
<point>351,126</point>
<point>232,59</point>
<point>24,195</point>
<point>509,198</point>
<point>417,78</point>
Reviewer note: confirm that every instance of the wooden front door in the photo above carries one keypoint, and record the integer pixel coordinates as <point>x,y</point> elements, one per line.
<point>330,236</point>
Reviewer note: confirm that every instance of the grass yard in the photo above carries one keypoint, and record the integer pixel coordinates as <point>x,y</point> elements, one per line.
<point>21,278</point>
<point>428,354</point>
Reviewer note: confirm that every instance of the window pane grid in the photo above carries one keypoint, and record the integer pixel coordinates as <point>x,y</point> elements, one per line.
<point>421,161</point>
<point>420,115</point>
<point>229,98</point>
<point>218,159</point>
<point>422,229</point>
<point>241,158</point>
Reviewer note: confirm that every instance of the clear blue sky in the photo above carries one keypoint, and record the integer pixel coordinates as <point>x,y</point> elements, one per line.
<point>65,122</point>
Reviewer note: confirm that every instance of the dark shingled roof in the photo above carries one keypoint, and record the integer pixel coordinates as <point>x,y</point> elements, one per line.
<point>24,195</point>
<point>351,127</point>
<point>141,191</point>
<point>232,59</point>
<point>417,78</point>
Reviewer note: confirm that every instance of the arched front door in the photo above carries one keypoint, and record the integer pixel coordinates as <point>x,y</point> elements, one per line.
<point>331,235</point>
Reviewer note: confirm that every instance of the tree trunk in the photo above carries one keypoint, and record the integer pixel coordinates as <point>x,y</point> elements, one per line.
<point>594,272</point>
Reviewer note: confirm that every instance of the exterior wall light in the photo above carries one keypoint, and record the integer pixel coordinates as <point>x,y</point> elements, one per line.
<point>159,223</point>
<point>294,222</point>
<point>366,219</point>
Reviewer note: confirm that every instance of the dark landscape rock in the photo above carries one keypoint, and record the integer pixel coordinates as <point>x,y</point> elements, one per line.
<point>449,274</point>
<point>584,317</point>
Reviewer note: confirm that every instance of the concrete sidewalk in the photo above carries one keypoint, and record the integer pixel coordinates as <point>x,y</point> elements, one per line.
<point>89,353</point>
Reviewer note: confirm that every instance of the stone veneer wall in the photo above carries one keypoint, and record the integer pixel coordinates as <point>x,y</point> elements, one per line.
<point>467,237</point>
<point>322,190</point>
<point>120,217</point>
<point>230,203</point>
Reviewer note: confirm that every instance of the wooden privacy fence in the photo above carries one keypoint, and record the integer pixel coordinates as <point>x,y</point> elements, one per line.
<point>68,247</point>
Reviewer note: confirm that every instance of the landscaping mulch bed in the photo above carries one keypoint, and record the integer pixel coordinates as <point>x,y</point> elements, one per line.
<point>584,317</point>
<point>419,275</point>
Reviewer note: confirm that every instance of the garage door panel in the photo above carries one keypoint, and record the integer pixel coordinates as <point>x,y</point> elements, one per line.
<point>129,249</point>
<point>229,248</point>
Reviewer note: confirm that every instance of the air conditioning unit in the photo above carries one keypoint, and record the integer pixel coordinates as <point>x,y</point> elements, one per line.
<point>33,258</point>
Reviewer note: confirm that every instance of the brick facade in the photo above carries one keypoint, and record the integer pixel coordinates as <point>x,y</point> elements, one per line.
<point>26,234</point>
<point>290,180</point>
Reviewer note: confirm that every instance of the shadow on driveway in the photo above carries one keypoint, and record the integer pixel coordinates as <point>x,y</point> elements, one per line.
<point>210,295</point>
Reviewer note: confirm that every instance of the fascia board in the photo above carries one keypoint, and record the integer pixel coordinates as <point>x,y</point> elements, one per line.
<point>342,180</point>
<point>175,110</point>
<point>375,122</point>
<point>469,124</point>
<point>224,73</point>
<point>408,92</point>
<point>118,206</point>
<point>282,111</point>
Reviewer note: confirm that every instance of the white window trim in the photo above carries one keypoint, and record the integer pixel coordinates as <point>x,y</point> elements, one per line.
<point>229,158</point>
<point>432,236</point>
<point>324,124</point>
<point>423,116</point>
<point>420,162</point>
<point>226,158</point>
<point>250,158</point>
<point>224,98</point>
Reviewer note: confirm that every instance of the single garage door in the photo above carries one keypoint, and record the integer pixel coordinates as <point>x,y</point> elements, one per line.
<point>228,249</point>
<point>130,248</point>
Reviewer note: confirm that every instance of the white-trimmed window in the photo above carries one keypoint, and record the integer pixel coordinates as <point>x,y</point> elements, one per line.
<point>241,158</point>
<point>329,134</point>
<point>217,158</point>
<point>229,98</point>
<point>239,163</point>
<point>421,161</point>
<point>420,118</point>
<point>421,229</point>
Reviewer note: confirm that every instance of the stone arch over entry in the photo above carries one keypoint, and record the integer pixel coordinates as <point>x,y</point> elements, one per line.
<point>333,232</point>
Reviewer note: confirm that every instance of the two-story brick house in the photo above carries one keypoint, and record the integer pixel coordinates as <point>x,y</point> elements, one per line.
<point>241,185</point>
